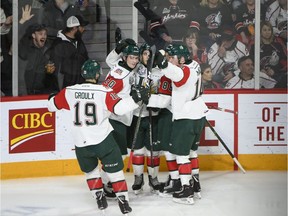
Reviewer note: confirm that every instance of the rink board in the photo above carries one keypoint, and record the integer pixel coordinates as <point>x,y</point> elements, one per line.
<point>35,142</point>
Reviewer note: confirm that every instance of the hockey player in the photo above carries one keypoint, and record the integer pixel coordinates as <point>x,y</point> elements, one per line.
<point>188,111</point>
<point>148,127</point>
<point>122,60</point>
<point>93,134</point>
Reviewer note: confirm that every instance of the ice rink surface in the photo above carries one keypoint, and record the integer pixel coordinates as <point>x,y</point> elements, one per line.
<point>230,193</point>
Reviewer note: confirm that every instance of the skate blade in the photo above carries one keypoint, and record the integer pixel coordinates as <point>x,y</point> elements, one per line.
<point>154,191</point>
<point>137,192</point>
<point>165,195</point>
<point>197,195</point>
<point>186,201</point>
<point>103,212</point>
<point>111,198</point>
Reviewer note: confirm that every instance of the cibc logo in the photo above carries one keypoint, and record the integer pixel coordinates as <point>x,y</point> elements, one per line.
<point>31,130</point>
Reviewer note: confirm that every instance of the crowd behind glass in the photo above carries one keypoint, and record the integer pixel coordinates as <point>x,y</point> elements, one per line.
<point>217,33</point>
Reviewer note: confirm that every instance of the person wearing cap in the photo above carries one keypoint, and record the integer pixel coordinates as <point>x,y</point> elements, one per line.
<point>69,52</point>
<point>223,56</point>
<point>82,22</point>
<point>56,14</point>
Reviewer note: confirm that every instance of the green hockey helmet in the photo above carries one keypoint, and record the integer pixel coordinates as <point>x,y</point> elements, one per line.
<point>179,50</point>
<point>131,50</point>
<point>144,47</point>
<point>90,68</point>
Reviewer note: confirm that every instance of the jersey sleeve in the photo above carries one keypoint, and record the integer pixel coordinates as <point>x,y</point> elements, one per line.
<point>112,59</point>
<point>58,102</point>
<point>111,100</point>
<point>113,83</point>
<point>173,72</point>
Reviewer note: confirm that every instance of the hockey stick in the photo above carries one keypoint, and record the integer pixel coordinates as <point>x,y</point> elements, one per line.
<point>225,146</point>
<point>149,71</point>
<point>149,68</point>
<point>118,35</point>
<point>223,109</point>
<point>134,138</point>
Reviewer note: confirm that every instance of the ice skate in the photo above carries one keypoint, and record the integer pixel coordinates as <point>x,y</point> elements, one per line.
<point>108,191</point>
<point>166,183</point>
<point>196,186</point>
<point>101,200</point>
<point>184,196</point>
<point>137,187</point>
<point>154,184</point>
<point>174,186</point>
<point>124,205</point>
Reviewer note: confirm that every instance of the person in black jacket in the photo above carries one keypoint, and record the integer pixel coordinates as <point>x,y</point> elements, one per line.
<point>33,63</point>
<point>69,52</point>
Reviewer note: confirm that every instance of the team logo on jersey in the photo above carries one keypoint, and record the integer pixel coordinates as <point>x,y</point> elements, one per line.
<point>142,70</point>
<point>118,71</point>
<point>131,80</point>
<point>169,17</point>
<point>31,130</point>
<point>271,60</point>
<point>214,20</point>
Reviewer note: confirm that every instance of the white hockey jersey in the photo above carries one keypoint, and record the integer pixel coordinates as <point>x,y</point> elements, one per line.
<point>229,62</point>
<point>187,102</point>
<point>120,80</point>
<point>238,83</point>
<point>90,105</point>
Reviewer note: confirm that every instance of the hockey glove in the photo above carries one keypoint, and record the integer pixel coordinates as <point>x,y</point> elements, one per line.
<point>124,43</point>
<point>52,95</point>
<point>139,94</point>
<point>160,59</point>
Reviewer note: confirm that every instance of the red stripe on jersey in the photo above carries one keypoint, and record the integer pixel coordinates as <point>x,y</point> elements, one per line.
<point>185,169</point>
<point>156,161</point>
<point>186,73</point>
<point>120,186</point>
<point>95,183</point>
<point>111,100</point>
<point>138,159</point>
<point>172,165</point>
<point>60,100</point>
<point>194,163</point>
<point>115,84</point>
<point>165,86</point>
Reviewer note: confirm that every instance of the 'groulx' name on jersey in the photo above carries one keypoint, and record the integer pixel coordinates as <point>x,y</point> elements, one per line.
<point>84,95</point>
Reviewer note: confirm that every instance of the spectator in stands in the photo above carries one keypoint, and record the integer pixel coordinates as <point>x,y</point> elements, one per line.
<point>245,79</point>
<point>55,15</point>
<point>245,22</point>
<point>273,55</point>
<point>32,62</point>
<point>6,54</point>
<point>223,56</point>
<point>69,52</point>
<point>276,14</point>
<point>213,16</point>
<point>197,50</point>
<point>89,10</point>
<point>207,81</point>
<point>172,20</point>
